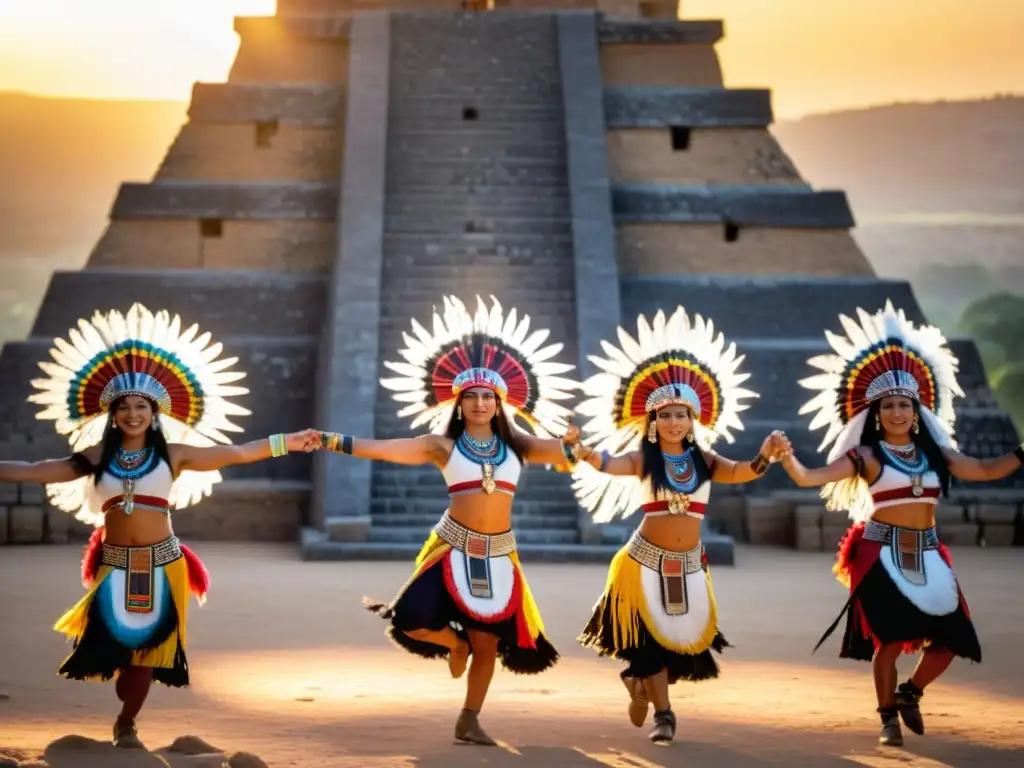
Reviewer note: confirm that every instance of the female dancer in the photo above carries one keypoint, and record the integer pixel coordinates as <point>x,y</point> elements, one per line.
<point>886,398</point>
<point>467,593</point>
<point>660,403</point>
<point>142,404</point>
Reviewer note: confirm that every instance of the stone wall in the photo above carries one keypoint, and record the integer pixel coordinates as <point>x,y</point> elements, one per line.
<point>215,244</point>
<point>711,156</point>
<point>271,52</point>
<point>665,248</point>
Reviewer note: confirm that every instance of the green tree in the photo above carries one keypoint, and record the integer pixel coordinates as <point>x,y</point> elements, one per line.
<point>996,323</point>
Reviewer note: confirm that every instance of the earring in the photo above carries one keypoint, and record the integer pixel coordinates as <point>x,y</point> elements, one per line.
<point>154,424</point>
<point>689,436</point>
<point>917,426</point>
<point>878,423</point>
<point>652,432</point>
<point>458,413</point>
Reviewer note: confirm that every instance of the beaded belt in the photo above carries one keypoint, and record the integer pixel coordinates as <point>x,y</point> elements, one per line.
<point>673,567</point>
<point>473,543</point>
<point>140,564</point>
<point>907,546</point>
<point>167,551</point>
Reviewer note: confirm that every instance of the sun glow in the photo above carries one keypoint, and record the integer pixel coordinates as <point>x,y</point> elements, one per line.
<point>119,48</point>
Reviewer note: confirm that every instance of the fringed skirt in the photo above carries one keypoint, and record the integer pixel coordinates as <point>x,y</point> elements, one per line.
<point>470,581</point>
<point>135,612</point>
<point>902,590</point>
<point>657,612</point>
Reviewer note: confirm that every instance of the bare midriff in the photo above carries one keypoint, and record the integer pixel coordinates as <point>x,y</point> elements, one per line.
<point>487,513</point>
<point>142,528</point>
<point>913,516</point>
<point>676,533</point>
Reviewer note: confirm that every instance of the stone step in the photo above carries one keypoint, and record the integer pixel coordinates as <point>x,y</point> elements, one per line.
<point>410,535</point>
<point>454,222</point>
<point>520,520</point>
<point>765,307</point>
<point>280,377</point>
<point>317,546</point>
<point>223,302</point>
<point>424,171</point>
<point>458,150</point>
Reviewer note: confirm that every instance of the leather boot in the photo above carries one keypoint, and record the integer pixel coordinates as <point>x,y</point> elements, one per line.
<point>638,702</point>
<point>891,735</point>
<point>908,697</point>
<point>664,726</point>
<point>126,735</point>
<point>467,729</point>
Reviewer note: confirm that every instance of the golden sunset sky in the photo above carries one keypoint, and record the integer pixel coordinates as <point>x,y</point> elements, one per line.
<point>816,55</point>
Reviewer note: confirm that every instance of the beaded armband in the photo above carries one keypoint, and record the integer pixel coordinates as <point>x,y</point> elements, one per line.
<point>858,462</point>
<point>760,464</point>
<point>569,452</point>
<point>278,446</point>
<point>604,461</point>
<point>332,441</point>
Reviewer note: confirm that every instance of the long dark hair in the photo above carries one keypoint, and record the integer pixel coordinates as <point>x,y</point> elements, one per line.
<point>874,434</point>
<point>113,437</point>
<point>499,424</point>
<point>654,461</point>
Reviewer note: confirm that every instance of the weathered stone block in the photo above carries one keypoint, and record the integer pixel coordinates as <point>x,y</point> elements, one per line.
<point>729,515</point>
<point>950,513</point>
<point>997,535</point>
<point>26,525</point>
<point>246,510</point>
<point>770,521</point>
<point>349,527</point>
<point>959,535</point>
<point>8,493</point>
<point>4,520</point>
<point>808,538</point>
<point>834,526</point>
<point>32,494</point>
<point>59,525</point>
<point>999,514</point>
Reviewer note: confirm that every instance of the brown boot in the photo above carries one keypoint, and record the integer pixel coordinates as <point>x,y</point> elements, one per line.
<point>458,658</point>
<point>908,697</point>
<point>664,726</point>
<point>638,702</point>
<point>126,735</point>
<point>467,729</point>
<point>891,735</point>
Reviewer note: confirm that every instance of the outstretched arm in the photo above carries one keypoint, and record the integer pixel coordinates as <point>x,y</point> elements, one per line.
<point>729,472</point>
<point>982,470</point>
<point>627,464</point>
<point>44,472</point>
<point>208,459</point>
<point>851,465</point>
<point>425,449</point>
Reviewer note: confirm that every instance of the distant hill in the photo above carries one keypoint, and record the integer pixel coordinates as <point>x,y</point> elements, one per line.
<point>930,184</point>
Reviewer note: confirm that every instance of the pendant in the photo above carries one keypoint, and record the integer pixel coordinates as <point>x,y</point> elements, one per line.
<point>488,482</point>
<point>916,485</point>
<point>128,486</point>
<point>678,504</point>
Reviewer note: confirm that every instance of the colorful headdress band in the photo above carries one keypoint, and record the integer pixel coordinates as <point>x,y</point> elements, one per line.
<point>671,361</point>
<point>148,355</point>
<point>882,355</point>
<point>485,349</point>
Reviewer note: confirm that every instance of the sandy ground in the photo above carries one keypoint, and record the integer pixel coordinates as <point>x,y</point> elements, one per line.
<point>287,666</point>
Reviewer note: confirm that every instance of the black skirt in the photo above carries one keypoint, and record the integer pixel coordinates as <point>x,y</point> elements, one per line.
<point>425,603</point>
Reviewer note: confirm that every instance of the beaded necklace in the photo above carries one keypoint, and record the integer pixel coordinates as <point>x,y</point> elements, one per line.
<point>909,461</point>
<point>682,477</point>
<point>129,467</point>
<point>486,453</point>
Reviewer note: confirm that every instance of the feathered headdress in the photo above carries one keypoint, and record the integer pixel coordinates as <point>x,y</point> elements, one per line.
<point>142,354</point>
<point>486,349</point>
<point>884,354</point>
<point>672,361</point>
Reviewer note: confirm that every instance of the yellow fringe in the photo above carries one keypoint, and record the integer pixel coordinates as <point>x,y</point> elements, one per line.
<point>435,548</point>
<point>73,623</point>
<point>624,589</point>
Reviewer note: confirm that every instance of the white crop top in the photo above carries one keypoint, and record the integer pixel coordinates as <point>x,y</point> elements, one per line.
<point>894,486</point>
<point>677,500</point>
<point>150,491</point>
<point>463,475</point>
